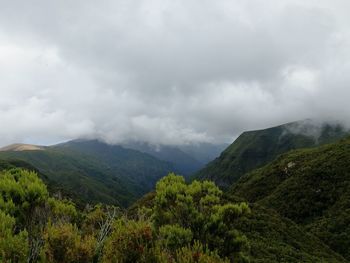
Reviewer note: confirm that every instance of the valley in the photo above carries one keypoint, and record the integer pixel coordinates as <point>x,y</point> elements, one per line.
<point>288,193</point>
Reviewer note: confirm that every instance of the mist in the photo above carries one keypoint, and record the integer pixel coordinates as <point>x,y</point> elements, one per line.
<point>169,73</point>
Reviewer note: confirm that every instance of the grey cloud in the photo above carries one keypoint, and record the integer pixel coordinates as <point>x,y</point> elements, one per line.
<point>169,72</point>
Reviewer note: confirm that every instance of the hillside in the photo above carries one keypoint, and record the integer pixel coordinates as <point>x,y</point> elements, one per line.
<point>275,239</point>
<point>186,159</point>
<point>299,204</point>
<point>54,188</point>
<point>183,163</point>
<point>96,171</point>
<point>21,147</point>
<point>254,149</point>
<point>310,187</point>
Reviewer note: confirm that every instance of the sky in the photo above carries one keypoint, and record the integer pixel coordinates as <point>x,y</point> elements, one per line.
<point>169,71</point>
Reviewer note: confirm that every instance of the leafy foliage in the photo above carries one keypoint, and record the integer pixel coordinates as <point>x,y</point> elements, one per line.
<point>271,237</point>
<point>13,247</point>
<point>186,223</point>
<point>131,241</point>
<point>20,192</point>
<point>64,244</point>
<point>195,209</point>
<point>173,237</point>
<point>198,254</point>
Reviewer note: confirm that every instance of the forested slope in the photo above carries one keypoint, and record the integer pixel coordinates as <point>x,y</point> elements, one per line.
<point>310,187</point>
<point>254,149</point>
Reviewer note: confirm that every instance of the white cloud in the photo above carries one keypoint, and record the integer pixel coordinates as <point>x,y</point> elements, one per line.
<point>169,72</point>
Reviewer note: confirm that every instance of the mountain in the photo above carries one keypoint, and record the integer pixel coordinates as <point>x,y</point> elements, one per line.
<point>186,159</point>
<point>54,188</point>
<point>95,171</point>
<point>182,162</point>
<point>300,202</point>
<point>274,239</point>
<point>311,187</point>
<point>203,152</point>
<point>254,149</point>
<point>18,147</point>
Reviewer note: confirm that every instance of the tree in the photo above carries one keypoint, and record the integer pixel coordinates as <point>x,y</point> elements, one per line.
<point>21,191</point>
<point>13,247</point>
<point>131,241</point>
<point>99,223</point>
<point>23,196</point>
<point>65,244</point>
<point>198,207</point>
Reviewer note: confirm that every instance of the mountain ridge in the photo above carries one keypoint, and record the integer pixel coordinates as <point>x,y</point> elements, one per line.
<point>118,177</point>
<point>254,149</point>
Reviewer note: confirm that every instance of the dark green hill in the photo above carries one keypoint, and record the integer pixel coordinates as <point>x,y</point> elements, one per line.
<point>138,169</point>
<point>254,149</point>
<point>186,159</point>
<point>54,188</point>
<point>95,171</point>
<point>275,239</point>
<point>183,163</point>
<point>310,187</point>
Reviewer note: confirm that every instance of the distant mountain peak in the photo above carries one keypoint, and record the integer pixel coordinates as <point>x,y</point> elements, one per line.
<point>19,147</point>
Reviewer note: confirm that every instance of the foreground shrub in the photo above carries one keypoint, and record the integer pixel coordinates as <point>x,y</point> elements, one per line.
<point>13,247</point>
<point>64,244</point>
<point>198,254</point>
<point>198,208</point>
<point>131,241</point>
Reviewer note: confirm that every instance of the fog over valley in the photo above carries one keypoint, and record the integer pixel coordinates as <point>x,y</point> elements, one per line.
<point>169,73</point>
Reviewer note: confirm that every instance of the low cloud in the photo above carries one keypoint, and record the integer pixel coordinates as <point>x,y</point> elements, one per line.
<point>169,72</point>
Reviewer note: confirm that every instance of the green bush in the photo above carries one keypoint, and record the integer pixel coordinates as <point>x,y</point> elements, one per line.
<point>13,247</point>
<point>131,241</point>
<point>64,244</point>
<point>173,237</point>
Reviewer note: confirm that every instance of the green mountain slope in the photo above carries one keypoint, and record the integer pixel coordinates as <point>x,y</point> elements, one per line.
<point>186,159</point>
<point>95,171</point>
<point>54,188</point>
<point>254,149</point>
<point>275,239</point>
<point>138,169</point>
<point>182,162</point>
<point>310,187</point>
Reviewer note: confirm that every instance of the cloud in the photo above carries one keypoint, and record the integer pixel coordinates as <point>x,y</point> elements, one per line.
<point>169,72</point>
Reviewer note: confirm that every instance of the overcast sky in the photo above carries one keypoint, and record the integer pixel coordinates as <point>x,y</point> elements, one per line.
<point>169,71</point>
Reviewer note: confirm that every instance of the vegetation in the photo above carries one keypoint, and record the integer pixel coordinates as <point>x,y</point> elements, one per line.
<point>94,171</point>
<point>271,237</point>
<point>299,208</point>
<point>275,239</point>
<point>255,149</point>
<point>183,162</point>
<point>310,187</point>
<point>187,223</point>
<point>187,159</point>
